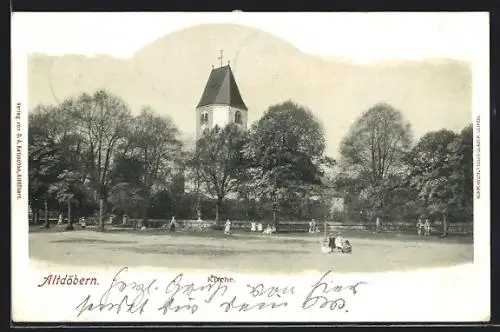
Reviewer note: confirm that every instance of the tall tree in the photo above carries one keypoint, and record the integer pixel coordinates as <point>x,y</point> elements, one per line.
<point>218,161</point>
<point>286,154</point>
<point>154,143</point>
<point>102,120</point>
<point>42,155</point>
<point>442,171</point>
<point>464,177</point>
<point>373,152</point>
<point>53,150</point>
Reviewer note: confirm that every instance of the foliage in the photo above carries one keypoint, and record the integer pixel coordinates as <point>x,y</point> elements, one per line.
<point>285,152</point>
<point>90,153</point>
<point>441,175</point>
<point>372,156</point>
<point>147,157</point>
<point>218,161</point>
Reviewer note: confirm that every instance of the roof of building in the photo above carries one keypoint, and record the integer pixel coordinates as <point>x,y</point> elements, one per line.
<point>222,89</point>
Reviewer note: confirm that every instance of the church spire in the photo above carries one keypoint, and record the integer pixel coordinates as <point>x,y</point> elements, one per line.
<point>221,89</point>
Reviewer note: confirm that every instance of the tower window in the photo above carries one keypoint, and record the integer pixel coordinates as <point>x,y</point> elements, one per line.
<point>237,117</point>
<point>204,118</point>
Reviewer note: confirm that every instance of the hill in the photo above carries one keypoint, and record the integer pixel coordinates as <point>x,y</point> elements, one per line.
<point>170,73</point>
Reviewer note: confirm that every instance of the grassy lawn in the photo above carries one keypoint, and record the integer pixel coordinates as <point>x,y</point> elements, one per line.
<point>245,251</point>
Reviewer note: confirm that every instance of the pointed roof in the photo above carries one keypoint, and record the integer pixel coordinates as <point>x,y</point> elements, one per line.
<point>222,89</point>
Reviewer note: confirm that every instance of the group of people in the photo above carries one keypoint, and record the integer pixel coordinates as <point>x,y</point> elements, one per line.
<point>313,228</point>
<point>336,242</point>
<point>423,227</point>
<point>172,226</point>
<point>258,227</point>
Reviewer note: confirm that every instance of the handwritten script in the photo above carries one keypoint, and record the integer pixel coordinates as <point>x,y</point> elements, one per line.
<point>125,294</point>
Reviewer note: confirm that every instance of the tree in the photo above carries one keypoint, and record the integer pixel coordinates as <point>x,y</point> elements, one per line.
<point>285,152</point>
<point>53,149</point>
<point>41,155</point>
<point>153,143</point>
<point>373,153</point>
<point>432,166</point>
<point>218,159</point>
<point>126,198</point>
<point>463,179</point>
<point>442,173</point>
<point>69,190</point>
<point>102,120</point>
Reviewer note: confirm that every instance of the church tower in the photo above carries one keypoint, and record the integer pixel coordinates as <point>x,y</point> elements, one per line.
<point>220,103</point>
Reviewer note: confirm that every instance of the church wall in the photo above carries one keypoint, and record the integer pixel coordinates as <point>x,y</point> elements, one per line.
<point>244,115</point>
<point>200,111</point>
<point>220,115</point>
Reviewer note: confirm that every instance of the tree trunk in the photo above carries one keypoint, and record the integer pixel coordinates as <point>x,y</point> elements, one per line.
<point>445,225</point>
<point>217,207</point>
<point>33,216</point>
<point>70,221</point>
<point>275,215</point>
<point>378,224</point>
<point>144,218</point>
<point>101,210</point>
<point>46,225</point>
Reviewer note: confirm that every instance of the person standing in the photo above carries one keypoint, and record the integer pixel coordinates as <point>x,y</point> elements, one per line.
<point>312,226</point>
<point>331,241</point>
<point>83,223</point>
<point>339,241</point>
<point>227,228</point>
<point>427,227</point>
<point>172,225</point>
<point>420,225</point>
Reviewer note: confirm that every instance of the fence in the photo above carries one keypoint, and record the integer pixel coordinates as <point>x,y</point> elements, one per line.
<point>303,226</point>
<point>288,226</point>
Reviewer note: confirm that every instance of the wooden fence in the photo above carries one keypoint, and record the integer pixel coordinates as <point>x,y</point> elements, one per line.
<point>288,226</point>
<point>303,226</point>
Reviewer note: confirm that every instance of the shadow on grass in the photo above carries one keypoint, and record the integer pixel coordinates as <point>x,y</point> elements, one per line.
<point>281,237</point>
<point>91,241</point>
<point>206,250</point>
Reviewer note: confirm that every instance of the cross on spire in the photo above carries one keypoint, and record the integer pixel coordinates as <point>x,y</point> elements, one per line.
<point>221,57</point>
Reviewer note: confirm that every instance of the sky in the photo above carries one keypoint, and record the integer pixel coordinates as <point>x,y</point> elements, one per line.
<point>462,36</point>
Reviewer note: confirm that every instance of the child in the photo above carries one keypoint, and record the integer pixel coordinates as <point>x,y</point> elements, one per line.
<point>268,229</point>
<point>325,246</point>
<point>83,224</point>
<point>331,241</point>
<point>339,242</point>
<point>172,225</point>
<point>227,229</point>
<point>419,226</point>
<point>346,247</point>
<point>310,227</point>
<point>253,226</point>
<point>427,227</point>
<point>259,227</point>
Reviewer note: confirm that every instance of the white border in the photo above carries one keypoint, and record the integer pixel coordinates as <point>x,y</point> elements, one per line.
<point>458,294</point>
